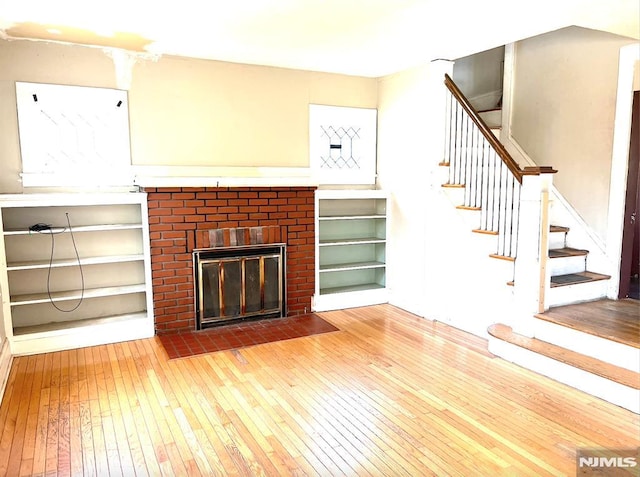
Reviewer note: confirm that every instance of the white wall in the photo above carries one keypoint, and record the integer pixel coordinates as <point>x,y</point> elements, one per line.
<point>479,77</point>
<point>184,112</point>
<point>564,94</point>
<point>405,161</point>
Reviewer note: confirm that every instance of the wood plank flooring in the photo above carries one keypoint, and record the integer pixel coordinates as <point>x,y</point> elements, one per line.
<point>616,320</point>
<point>388,394</point>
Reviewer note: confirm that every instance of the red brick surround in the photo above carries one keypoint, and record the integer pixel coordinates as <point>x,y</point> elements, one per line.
<point>176,213</point>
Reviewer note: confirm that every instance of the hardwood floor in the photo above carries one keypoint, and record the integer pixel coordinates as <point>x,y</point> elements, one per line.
<point>616,320</point>
<point>388,394</point>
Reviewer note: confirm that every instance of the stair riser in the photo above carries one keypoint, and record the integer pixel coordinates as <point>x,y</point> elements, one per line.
<point>598,386</point>
<point>618,354</point>
<point>566,265</point>
<point>492,118</point>
<point>454,194</point>
<point>580,292</point>
<point>556,240</point>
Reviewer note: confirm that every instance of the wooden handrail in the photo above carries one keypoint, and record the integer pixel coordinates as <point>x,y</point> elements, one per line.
<point>513,166</point>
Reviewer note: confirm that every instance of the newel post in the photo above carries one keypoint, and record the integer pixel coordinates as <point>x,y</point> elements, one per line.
<point>531,274</point>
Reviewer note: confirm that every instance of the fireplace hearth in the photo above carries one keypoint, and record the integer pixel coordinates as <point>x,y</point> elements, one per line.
<point>237,283</point>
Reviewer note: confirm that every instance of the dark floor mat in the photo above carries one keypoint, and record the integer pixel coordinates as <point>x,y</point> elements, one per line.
<point>570,278</point>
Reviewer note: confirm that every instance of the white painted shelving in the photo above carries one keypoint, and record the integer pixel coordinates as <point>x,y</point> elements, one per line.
<point>351,237</point>
<point>53,299</point>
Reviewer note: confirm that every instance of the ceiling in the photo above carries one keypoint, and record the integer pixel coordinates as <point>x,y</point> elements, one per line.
<point>356,37</point>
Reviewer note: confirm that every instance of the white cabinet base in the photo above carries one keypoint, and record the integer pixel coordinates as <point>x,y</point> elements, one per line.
<point>5,365</point>
<point>353,299</point>
<point>91,332</point>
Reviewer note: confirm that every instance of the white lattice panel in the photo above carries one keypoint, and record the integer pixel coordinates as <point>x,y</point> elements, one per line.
<point>342,144</point>
<point>73,135</point>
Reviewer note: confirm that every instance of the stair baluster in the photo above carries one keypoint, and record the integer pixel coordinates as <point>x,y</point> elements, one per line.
<point>490,185</point>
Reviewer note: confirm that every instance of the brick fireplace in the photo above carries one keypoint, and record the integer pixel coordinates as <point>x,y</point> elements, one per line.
<point>178,216</point>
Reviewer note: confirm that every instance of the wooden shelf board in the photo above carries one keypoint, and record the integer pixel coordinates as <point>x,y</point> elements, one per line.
<point>348,194</point>
<point>36,298</point>
<point>74,262</point>
<point>351,288</point>
<point>563,355</point>
<point>78,228</point>
<point>350,266</point>
<point>352,217</point>
<point>60,327</point>
<point>351,241</point>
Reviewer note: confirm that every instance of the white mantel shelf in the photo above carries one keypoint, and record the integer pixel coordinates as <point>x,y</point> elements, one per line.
<point>193,176</point>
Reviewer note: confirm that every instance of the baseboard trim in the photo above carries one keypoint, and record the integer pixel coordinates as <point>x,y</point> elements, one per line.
<point>5,366</point>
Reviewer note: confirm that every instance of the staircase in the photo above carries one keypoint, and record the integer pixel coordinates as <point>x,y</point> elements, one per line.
<point>483,181</point>
<point>570,279</point>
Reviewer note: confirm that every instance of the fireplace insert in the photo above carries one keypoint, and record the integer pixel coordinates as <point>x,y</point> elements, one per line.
<point>236,283</point>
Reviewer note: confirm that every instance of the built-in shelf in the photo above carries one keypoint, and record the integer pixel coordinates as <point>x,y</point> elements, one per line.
<point>72,262</point>
<point>352,217</point>
<point>351,241</point>
<point>351,266</point>
<point>61,328</point>
<point>352,288</point>
<point>68,287</point>
<point>35,298</point>
<point>75,229</point>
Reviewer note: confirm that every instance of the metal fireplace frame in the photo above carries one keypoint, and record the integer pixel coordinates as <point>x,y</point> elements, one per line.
<point>241,254</point>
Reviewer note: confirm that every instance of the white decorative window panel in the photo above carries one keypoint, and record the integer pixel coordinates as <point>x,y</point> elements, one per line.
<point>73,135</point>
<point>342,144</point>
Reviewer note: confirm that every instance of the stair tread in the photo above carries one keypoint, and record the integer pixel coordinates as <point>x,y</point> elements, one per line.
<point>454,186</point>
<point>467,207</point>
<point>485,232</point>
<point>575,278</point>
<point>572,358</point>
<point>558,228</point>
<point>502,257</point>
<point>567,252</point>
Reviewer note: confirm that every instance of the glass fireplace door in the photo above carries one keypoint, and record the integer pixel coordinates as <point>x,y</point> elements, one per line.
<point>229,288</point>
